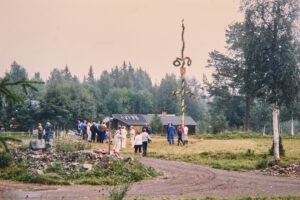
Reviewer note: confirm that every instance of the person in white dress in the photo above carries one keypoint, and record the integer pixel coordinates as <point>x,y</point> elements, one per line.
<point>132,135</point>
<point>123,134</point>
<point>185,134</point>
<point>117,141</point>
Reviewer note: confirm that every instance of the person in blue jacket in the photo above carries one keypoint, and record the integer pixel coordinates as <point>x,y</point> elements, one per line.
<point>148,129</point>
<point>48,128</point>
<point>171,133</point>
<point>84,130</point>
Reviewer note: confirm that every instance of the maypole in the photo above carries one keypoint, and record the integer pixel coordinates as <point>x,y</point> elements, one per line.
<point>181,62</point>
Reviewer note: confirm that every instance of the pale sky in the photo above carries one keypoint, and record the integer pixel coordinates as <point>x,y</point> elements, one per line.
<point>45,34</point>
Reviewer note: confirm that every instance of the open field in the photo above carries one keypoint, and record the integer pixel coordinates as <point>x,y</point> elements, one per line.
<point>231,154</point>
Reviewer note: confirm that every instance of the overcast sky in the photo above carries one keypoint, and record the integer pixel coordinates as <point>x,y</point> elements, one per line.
<point>45,34</point>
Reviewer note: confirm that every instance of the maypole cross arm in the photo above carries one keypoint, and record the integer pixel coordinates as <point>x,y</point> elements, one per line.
<point>181,62</point>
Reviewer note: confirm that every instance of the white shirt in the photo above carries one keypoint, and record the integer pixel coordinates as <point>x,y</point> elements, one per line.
<point>132,133</point>
<point>145,136</point>
<point>138,140</point>
<point>117,139</point>
<point>185,130</point>
<point>123,132</point>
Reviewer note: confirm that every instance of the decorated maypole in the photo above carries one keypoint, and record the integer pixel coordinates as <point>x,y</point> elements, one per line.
<point>180,62</point>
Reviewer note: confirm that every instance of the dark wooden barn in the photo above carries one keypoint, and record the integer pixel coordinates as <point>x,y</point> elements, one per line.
<point>138,121</point>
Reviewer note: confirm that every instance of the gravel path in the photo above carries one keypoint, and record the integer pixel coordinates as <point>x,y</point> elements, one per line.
<point>180,180</point>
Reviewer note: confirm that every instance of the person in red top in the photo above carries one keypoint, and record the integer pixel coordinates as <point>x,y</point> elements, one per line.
<point>180,132</point>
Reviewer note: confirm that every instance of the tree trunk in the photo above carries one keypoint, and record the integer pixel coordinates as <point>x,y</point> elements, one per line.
<point>292,126</point>
<point>275,114</point>
<point>247,113</point>
<point>264,130</point>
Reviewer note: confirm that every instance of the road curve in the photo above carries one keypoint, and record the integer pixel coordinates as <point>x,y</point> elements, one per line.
<point>179,180</point>
<point>189,180</point>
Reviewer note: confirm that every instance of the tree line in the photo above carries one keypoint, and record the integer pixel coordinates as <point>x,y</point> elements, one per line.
<point>63,99</point>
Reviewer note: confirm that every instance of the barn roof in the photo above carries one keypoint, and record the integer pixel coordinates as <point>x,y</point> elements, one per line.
<point>139,119</point>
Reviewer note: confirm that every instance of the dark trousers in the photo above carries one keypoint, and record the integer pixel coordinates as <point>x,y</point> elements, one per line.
<point>102,133</point>
<point>93,136</point>
<point>137,147</point>
<point>180,140</point>
<point>98,136</point>
<point>40,136</point>
<point>145,148</point>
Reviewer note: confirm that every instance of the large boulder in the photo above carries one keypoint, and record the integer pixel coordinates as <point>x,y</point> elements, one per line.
<point>37,144</point>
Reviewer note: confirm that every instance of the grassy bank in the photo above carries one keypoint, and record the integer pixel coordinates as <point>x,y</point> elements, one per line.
<point>240,153</point>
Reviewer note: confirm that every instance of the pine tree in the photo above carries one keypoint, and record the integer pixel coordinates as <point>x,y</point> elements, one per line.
<point>91,78</point>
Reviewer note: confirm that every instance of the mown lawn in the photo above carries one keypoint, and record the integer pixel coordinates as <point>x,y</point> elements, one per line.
<point>231,154</point>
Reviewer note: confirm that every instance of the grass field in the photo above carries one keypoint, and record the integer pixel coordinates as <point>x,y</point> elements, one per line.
<point>230,154</point>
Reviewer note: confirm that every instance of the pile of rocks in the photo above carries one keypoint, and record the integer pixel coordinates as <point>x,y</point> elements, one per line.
<point>40,160</point>
<point>290,170</point>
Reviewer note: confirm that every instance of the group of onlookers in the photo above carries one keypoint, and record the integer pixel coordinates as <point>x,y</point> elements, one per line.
<point>138,140</point>
<point>95,132</point>
<point>182,134</point>
<point>98,132</point>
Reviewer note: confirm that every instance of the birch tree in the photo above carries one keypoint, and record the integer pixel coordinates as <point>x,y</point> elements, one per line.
<point>279,68</point>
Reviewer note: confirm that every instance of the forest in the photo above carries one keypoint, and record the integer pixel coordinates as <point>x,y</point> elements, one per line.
<point>256,77</point>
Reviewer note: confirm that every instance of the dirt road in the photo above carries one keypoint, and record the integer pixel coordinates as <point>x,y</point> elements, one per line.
<point>179,180</point>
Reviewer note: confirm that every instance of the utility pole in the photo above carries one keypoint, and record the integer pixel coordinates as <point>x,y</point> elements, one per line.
<point>180,62</point>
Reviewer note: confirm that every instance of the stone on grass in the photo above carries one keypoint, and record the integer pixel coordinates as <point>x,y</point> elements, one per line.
<point>37,144</point>
<point>87,167</point>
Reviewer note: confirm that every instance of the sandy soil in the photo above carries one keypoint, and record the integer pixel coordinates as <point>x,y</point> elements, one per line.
<point>180,180</point>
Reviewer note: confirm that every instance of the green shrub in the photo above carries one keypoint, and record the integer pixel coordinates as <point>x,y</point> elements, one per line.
<point>281,150</point>
<point>118,193</point>
<point>56,167</point>
<point>5,159</point>
<point>68,145</point>
<point>264,163</point>
<point>249,153</point>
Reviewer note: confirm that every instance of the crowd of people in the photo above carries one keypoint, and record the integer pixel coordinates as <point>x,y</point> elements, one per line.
<point>92,131</point>
<point>138,140</point>
<point>98,132</point>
